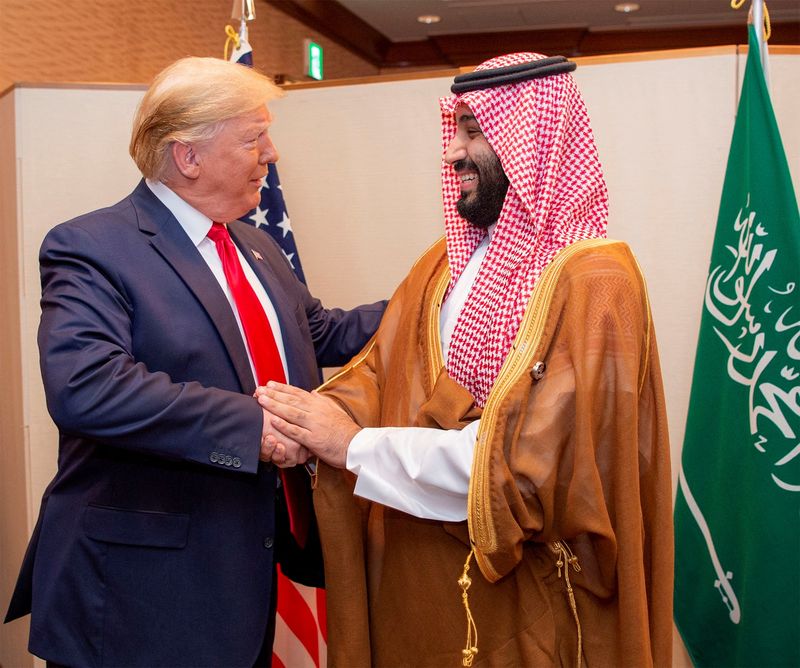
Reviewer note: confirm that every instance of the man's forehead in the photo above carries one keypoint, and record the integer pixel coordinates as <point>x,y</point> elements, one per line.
<point>262,113</point>
<point>257,117</point>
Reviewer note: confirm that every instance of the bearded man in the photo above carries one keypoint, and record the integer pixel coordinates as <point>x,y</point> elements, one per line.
<point>510,409</point>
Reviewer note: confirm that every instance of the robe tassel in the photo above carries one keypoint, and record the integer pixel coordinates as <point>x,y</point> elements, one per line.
<point>471,648</point>
<point>565,559</point>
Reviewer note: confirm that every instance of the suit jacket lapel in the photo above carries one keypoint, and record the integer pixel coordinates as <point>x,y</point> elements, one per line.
<point>172,243</point>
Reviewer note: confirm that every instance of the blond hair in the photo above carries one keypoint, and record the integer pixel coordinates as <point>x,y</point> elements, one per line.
<point>187,102</point>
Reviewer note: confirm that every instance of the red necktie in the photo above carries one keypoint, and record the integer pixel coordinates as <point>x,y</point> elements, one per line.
<point>267,361</point>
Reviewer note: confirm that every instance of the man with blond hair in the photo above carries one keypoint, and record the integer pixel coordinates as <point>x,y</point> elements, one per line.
<point>158,538</point>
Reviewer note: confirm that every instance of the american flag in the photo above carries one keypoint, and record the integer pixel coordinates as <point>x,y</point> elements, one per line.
<point>300,629</point>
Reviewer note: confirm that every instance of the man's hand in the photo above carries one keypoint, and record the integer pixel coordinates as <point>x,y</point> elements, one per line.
<point>309,419</point>
<point>278,449</point>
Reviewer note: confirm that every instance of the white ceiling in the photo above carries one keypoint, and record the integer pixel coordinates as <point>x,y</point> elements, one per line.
<point>397,19</point>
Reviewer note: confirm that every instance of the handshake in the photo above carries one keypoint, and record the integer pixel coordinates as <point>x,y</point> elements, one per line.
<point>299,424</point>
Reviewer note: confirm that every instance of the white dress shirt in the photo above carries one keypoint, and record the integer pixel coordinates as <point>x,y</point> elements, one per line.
<point>197,225</point>
<point>422,471</point>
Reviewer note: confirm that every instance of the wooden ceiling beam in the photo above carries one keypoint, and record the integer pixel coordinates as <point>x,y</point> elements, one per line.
<point>471,49</point>
<point>597,43</point>
<point>336,22</point>
<point>462,48</point>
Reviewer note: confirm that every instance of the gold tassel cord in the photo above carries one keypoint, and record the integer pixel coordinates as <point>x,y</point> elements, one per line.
<point>565,559</point>
<point>767,24</point>
<point>233,36</point>
<point>767,27</point>
<point>471,648</point>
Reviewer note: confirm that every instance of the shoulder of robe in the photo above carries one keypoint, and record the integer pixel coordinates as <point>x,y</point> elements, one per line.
<point>597,267</point>
<point>432,255</point>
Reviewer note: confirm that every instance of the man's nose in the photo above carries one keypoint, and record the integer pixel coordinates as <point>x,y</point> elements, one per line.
<point>456,150</point>
<point>269,153</point>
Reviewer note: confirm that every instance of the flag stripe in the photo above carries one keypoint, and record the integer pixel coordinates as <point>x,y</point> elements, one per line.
<point>297,615</point>
<point>289,649</point>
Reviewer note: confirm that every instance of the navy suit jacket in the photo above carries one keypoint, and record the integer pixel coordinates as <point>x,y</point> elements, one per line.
<point>156,540</point>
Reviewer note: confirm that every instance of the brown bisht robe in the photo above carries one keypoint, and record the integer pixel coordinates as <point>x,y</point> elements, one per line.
<point>572,453</point>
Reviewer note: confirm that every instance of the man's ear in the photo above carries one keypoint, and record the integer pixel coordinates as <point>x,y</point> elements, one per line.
<point>186,160</point>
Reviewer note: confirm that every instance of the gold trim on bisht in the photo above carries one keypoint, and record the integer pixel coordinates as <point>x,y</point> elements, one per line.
<point>479,518</point>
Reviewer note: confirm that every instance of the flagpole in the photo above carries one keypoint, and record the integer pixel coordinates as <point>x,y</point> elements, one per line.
<point>244,10</point>
<point>757,18</point>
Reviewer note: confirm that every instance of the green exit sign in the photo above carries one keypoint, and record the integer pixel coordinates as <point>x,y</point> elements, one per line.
<point>313,59</point>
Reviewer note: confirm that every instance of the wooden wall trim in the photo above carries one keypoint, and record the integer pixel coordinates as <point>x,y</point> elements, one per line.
<point>582,61</point>
<point>403,75</point>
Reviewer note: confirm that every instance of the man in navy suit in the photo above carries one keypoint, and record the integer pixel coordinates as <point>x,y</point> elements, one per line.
<point>157,540</point>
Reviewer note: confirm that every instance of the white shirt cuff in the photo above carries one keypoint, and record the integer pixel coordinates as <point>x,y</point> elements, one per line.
<point>420,471</point>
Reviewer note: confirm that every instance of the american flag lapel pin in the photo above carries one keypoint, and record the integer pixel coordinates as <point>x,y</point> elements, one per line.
<point>256,254</point>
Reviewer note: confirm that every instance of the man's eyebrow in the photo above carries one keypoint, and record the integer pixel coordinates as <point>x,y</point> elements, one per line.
<point>465,118</point>
<point>257,128</point>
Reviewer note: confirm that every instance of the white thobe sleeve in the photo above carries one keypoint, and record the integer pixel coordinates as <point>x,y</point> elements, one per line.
<point>420,471</point>
<point>423,472</point>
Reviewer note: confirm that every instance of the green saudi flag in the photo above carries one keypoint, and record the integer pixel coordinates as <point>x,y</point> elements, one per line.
<point>737,514</point>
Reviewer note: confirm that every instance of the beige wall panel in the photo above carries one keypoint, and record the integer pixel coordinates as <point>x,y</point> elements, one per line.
<point>360,170</point>
<point>14,525</point>
<point>784,71</point>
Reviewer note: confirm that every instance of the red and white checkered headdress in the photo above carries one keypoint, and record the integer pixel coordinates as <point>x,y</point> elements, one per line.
<point>540,131</point>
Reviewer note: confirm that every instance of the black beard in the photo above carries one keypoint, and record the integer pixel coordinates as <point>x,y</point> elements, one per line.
<point>482,207</point>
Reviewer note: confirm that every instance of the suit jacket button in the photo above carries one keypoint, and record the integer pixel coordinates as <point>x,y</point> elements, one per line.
<point>214,457</point>
<point>268,542</point>
<point>237,463</point>
<point>228,460</point>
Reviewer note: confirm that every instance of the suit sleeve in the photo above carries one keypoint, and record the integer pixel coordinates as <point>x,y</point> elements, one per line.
<point>96,389</point>
<point>338,334</point>
<point>359,387</point>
